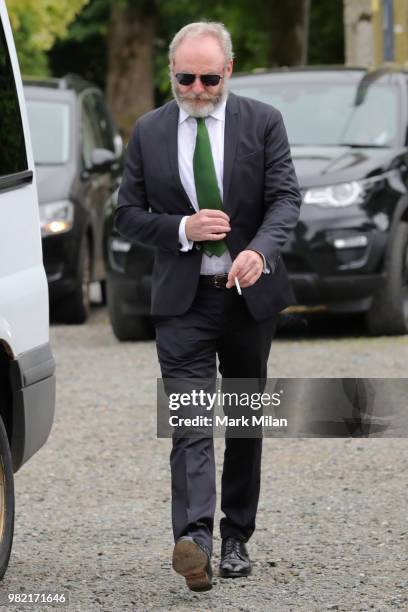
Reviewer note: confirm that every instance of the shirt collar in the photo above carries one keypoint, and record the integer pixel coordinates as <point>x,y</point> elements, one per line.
<point>218,112</point>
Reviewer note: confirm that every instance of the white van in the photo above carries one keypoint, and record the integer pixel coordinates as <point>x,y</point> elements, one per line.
<point>27,381</point>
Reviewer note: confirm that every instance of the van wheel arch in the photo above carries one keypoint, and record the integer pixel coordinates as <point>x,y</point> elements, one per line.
<point>7,505</point>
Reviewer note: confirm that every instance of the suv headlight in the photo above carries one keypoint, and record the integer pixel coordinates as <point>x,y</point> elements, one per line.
<point>56,217</point>
<point>342,194</point>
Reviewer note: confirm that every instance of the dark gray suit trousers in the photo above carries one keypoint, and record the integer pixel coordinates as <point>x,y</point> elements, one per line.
<point>218,322</point>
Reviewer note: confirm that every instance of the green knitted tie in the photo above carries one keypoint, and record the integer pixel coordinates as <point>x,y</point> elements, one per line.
<point>208,194</point>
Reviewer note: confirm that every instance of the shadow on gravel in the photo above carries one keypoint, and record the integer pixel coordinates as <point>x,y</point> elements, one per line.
<point>299,326</point>
<point>316,326</point>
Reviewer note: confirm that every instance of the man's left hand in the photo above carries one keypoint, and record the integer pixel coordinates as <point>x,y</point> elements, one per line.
<point>247,268</point>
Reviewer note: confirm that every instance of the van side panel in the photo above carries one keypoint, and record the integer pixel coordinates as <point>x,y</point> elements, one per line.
<point>24,318</point>
<point>23,283</point>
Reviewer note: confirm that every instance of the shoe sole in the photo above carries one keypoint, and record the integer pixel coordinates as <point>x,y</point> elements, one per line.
<point>191,562</point>
<point>229,574</point>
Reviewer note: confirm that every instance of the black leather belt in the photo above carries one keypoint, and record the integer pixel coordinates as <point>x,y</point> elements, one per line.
<point>218,281</point>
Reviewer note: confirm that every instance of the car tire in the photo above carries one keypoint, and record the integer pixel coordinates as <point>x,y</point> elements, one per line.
<point>103,292</point>
<point>126,327</point>
<point>6,501</point>
<point>388,314</point>
<point>75,307</point>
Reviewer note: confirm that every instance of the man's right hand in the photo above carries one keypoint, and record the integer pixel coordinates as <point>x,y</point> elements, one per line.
<point>207,224</point>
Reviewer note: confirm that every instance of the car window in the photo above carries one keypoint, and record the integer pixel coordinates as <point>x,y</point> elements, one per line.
<point>98,109</point>
<point>90,134</point>
<point>13,156</point>
<point>50,131</point>
<point>333,118</point>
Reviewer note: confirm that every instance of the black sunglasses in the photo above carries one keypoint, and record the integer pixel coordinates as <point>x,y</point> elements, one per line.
<point>208,80</point>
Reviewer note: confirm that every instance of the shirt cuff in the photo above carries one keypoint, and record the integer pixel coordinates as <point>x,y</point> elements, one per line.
<point>266,268</point>
<point>185,244</point>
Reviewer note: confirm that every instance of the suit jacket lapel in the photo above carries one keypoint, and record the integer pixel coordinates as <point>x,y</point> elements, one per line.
<point>231,135</point>
<point>172,151</point>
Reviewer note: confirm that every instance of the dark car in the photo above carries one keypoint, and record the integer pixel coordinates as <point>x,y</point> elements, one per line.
<point>349,252</point>
<point>78,155</point>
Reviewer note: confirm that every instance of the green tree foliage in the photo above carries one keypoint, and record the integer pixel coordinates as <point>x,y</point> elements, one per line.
<point>326,37</point>
<point>84,49</point>
<point>250,23</point>
<point>36,25</point>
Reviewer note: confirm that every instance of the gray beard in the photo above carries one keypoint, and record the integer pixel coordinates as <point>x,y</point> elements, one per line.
<point>204,109</point>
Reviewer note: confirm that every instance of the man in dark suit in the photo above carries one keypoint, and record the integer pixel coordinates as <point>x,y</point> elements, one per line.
<point>209,182</point>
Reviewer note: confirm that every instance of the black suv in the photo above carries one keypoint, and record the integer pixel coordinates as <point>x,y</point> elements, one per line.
<point>348,131</point>
<point>78,155</point>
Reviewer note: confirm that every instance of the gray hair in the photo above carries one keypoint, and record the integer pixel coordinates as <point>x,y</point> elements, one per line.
<point>203,28</point>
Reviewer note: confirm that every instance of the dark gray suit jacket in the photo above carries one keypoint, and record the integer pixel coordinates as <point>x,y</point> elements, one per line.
<point>261,197</point>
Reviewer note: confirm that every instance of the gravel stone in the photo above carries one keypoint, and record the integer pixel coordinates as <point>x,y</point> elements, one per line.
<point>93,506</point>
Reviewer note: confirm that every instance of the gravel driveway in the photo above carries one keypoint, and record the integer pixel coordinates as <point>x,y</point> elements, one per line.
<point>93,506</point>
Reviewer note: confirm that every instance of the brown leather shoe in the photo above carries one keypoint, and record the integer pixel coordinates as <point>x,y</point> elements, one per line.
<point>192,560</point>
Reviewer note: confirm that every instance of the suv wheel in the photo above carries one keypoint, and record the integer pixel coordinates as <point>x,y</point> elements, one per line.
<point>6,501</point>
<point>76,307</point>
<point>103,292</point>
<point>126,327</point>
<point>389,311</point>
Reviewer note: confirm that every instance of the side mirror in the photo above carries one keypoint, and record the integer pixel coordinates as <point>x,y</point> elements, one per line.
<point>102,159</point>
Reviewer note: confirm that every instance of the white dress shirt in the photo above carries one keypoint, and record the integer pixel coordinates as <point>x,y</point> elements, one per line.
<point>186,141</point>
<point>186,138</point>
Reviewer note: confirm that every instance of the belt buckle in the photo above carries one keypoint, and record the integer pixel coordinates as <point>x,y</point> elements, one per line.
<point>218,280</point>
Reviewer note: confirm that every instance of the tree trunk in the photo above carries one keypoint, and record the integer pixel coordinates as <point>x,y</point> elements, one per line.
<point>287,32</point>
<point>130,64</point>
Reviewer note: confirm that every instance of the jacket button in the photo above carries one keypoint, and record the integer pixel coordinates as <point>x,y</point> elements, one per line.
<point>198,247</point>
